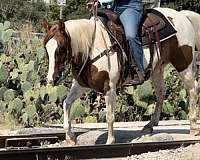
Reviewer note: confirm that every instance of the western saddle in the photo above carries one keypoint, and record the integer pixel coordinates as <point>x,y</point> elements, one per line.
<point>151,25</point>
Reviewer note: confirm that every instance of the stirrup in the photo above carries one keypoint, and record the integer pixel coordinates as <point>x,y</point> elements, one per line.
<point>136,79</point>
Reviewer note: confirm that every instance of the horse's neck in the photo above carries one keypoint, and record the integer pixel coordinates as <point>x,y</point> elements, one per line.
<point>80,34</point>
<point>88,37</point>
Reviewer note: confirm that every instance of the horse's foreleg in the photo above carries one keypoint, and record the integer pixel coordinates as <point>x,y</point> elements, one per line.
<point>110,99</point>
<point>75,92</point>
<point>159,87</point>
<point>191,87</point>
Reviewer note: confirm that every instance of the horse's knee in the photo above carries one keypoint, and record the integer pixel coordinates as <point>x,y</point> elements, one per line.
<point>110,118</point>
<point>66,104</point>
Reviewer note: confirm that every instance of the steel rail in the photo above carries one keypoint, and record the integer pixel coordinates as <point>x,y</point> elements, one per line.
<point>24,140</point>
<point>88,152</point>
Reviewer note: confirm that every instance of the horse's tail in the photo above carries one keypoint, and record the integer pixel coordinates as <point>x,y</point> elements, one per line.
<point>195,20</point>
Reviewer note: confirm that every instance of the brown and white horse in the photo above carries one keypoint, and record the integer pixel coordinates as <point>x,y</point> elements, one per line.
<point>79,42</point>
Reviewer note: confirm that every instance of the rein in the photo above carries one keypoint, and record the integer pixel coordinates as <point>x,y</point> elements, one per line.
<point>105,52</point>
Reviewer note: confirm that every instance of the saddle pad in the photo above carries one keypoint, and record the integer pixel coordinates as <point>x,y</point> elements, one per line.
<point>164,33</point>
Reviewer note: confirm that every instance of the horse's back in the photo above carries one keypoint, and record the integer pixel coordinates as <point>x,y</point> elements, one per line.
<point>195,20</point>
<point>185,31</point>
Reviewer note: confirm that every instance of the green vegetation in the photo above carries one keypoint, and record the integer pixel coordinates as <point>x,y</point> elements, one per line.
<point>193,5</point>
<point>138,103</point>
<point>22,11</point>
<point>22,95</point>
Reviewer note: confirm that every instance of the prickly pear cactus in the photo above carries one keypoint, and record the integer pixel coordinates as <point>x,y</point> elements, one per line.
<point>22,69</point>
<point>9,95</point>
<point>29,115</point>
<point>15,107</point>
<point>5,32</point>
<point>2,106</point>
<point>61,92</point>
<point>26,86</point>
<point>2,91</point>
<point>4,73</point>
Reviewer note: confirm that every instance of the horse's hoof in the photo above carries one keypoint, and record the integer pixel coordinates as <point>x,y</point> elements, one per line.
<point>111,141</point>
<point>69,142</point>
<point>147,130</point>
<point>194,132</point>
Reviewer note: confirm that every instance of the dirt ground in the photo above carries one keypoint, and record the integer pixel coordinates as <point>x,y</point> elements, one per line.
<point>166,131</point>
<point>191,152</point>
<point>132,132</point>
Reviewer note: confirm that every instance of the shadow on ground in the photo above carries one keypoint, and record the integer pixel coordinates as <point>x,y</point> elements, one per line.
<point>127,136</point>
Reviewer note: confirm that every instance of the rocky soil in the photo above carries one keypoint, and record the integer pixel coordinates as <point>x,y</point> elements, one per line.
<point>191,152</point>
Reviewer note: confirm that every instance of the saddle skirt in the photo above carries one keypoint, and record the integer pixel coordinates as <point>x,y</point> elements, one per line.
<point>154,28</point>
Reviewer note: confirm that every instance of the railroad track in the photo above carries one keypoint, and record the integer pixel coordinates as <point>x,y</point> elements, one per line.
<point>28,147</point>
<point>88,152</point>
<point>35,139</point>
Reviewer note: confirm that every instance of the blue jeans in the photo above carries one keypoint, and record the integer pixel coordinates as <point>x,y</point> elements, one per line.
<point>130,14</point>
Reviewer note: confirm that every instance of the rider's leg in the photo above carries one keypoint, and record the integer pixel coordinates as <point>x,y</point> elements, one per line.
<point>131,18</point>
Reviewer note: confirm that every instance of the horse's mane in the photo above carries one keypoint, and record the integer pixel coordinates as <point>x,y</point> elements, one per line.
<point>82,33</point>
<point>88,37</point>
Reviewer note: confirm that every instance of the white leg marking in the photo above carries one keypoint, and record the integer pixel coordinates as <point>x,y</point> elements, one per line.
<point>191,87</point>
<point>110,99</point>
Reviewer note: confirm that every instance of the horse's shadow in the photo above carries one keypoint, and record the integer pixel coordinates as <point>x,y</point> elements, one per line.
<point>124,136</point>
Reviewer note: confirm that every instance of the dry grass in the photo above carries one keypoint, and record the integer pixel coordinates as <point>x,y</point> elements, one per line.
<point>7,124</point>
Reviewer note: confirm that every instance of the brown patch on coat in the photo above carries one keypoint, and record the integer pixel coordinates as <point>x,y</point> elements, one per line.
<point>180,56</point>
<point>90,77</point>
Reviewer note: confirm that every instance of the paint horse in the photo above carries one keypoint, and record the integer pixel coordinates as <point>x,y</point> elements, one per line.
<point>80,42</point>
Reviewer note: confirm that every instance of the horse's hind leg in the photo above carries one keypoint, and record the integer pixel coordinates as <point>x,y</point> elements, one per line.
<point>75,92</point>
<point>110,99</point>
<point>159,87</point>
<point>191,87</point>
